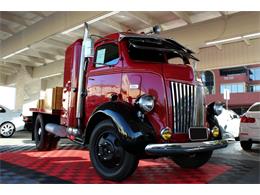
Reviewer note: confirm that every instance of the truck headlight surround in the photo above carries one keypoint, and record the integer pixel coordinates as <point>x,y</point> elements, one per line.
<point>145,103</point>
<point>218,108</point>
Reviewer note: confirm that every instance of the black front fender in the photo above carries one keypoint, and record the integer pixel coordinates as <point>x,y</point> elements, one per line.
<point>133,133</point>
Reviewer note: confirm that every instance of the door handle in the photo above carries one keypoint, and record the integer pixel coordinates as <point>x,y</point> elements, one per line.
<point>92,79</point>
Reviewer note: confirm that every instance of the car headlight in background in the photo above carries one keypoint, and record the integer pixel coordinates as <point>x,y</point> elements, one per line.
<point>218,108</point>
<point>145,103</point>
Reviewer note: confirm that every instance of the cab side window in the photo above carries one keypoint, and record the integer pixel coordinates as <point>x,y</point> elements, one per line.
<point>106,55</point>
<point>2,110</point>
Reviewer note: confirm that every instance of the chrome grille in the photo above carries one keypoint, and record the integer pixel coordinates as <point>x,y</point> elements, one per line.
<point>188,104</point>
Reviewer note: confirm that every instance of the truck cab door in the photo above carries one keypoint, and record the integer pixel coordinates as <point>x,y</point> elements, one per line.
<point>104,76</point>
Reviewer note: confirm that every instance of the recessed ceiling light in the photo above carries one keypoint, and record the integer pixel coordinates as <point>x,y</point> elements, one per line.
<point>252,35</point>
<point>91,21</point>
<point>223,40</point>
<point>17,52</point>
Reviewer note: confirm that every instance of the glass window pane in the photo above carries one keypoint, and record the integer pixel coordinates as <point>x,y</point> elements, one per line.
<point>229,87</point>
<point>255,108</point>
<point>255,74</point>
<point>106,55</point>
<point>222,87</point>
<point>234,88</point>
<point>240,88</point>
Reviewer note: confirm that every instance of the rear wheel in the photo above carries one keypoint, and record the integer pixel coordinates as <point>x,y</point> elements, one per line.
<point>108,156</point>
<point>192,161</point>
<point>246,145</point>
<point>44,141</point>
<point>7,129</point>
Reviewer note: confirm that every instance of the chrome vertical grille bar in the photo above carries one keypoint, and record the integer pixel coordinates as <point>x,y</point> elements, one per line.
<point>181,107</point>
<point>177,107</point>
<point>184,113</point>
<point>174,106</point>
<point>188,106</point>
<point>192,106</point>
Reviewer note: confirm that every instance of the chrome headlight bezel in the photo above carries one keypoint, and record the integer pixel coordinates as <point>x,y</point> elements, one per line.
<point>145,103</point>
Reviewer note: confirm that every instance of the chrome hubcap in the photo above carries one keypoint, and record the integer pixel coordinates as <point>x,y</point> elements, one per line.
<point>7,129</point>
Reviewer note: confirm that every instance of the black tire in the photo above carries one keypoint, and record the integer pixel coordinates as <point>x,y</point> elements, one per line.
<point>192,161</point>
<point>7,129</point>
<point>44,141</point>
<point>54,140</point>
<point>246,145</point>
<point>107,155</point>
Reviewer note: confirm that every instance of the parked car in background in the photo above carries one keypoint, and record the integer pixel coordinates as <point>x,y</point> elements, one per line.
<point>10,122</point>
<point>229,121</point>
<point>28,124</point>
<point>250,127</point>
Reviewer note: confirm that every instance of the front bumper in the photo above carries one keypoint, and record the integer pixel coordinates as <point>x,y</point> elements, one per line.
<point>168,149</point>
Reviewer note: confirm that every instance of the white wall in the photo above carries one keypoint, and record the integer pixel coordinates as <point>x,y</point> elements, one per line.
<point>233,54</point>
<point>7,97</point>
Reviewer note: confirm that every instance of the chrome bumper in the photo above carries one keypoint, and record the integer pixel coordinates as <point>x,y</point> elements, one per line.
<point>168,149</point>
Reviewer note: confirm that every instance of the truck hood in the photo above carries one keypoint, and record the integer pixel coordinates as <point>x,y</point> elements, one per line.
<point>181,72</point>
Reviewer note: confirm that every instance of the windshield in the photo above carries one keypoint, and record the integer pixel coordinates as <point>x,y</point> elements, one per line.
<point>157,50</point>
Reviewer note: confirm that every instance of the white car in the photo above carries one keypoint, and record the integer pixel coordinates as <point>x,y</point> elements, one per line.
<point>10,122</point>
<point>250,127</point>
<point>229,121</point>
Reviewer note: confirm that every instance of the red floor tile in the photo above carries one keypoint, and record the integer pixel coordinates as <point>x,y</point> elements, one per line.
<point>75,166</point>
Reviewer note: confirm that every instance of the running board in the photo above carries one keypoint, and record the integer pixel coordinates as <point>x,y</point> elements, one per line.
<point>55,129</point>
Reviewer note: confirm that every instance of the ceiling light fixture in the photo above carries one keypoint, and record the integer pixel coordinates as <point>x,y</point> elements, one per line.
<point>91,21</point>
<point>17,52</point>
<point>252,35</point>
<point>52,75</point>
<point>223,40</point>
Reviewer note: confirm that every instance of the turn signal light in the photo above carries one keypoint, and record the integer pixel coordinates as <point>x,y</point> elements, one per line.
<point>215,131</point>
<point>245,119</point>
<point>166,133</point>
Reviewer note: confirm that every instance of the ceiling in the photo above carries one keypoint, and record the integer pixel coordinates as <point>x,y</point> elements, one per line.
<point>47,45</point>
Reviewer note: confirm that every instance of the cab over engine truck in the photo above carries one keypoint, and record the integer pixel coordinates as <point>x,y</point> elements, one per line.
<point>125,100</point>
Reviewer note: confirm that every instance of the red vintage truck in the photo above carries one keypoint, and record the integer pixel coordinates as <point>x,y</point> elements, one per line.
<point>125,100</point>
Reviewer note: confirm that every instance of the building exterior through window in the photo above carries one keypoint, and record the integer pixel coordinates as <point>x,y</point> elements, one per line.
<point>243,82</point>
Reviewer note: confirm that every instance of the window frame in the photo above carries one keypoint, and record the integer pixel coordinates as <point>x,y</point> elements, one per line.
<point>105,65</point>
<point>230,84</point>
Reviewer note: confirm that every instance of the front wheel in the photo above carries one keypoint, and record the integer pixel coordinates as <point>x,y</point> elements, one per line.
<point>7,129</point>
<point>192,161</point>
<point>108,156</point>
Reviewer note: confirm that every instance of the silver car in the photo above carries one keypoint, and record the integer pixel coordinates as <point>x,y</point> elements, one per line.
<point>10,122</point>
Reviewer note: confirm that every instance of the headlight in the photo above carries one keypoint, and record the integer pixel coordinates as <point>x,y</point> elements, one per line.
<point>146,103</point>
<point>218,108</point>
<point>215,131</point>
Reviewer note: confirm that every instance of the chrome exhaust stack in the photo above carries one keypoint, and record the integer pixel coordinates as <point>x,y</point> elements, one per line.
<point>87,51</point>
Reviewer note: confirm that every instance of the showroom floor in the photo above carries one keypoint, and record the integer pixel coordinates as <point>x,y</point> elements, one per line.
<point>21,163</point>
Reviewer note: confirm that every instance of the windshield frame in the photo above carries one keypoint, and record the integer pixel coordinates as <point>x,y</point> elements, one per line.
<point>164,46</point>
